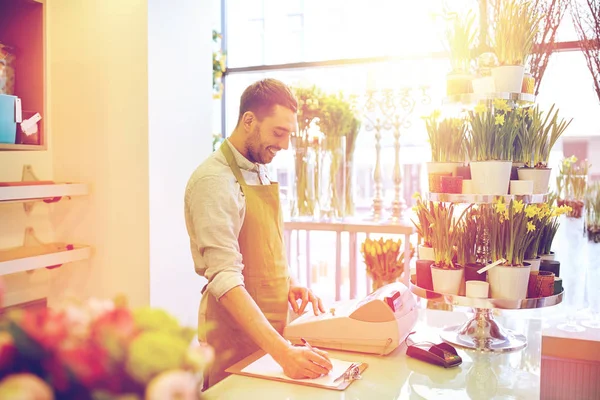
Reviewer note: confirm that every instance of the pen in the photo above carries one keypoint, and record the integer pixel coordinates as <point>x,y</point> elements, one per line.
<point>307,344</point>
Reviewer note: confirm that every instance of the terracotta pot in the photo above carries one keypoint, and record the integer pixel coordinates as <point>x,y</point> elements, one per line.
<point>435,181</point>
<point>541,284</point>
<point>464,171</point>
<point>424,279</point>
<point>452,184</point>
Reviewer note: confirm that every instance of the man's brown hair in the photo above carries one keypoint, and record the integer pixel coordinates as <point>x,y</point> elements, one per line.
<point>263,95</point>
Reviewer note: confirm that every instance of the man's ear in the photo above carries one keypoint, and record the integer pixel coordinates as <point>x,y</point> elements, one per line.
<point>247,119</point>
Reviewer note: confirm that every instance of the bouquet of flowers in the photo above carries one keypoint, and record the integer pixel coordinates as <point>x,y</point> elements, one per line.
<point>384,260</point>
<point>99,350</point>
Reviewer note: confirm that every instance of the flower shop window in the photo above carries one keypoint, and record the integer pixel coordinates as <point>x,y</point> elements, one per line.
<point>263,32</point>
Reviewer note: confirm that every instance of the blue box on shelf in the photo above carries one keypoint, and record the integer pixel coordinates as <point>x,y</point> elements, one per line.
<point>10,115</point>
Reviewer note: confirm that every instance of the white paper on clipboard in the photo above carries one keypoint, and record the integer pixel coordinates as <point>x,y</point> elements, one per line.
<point>267,367</point>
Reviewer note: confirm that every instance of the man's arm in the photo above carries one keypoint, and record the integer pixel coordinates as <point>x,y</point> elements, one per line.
<point>216,224</point>
<point>297,362</point>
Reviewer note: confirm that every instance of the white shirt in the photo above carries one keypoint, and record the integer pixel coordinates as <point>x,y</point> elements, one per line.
<point>214,212</point>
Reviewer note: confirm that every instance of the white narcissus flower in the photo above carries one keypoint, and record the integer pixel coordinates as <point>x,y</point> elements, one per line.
<point>25,387</point>
<point>173,385</point>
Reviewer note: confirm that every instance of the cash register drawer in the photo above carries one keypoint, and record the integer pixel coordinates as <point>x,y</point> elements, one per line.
<point>8,122</point>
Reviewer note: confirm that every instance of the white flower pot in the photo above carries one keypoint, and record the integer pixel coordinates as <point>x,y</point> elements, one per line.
<point>490,177</point>
<point>467,186</point>
<point>484,85</point>
<point>534,264</point>
<point>521,187</point>
<point>548,256</point>
<point>447,281</point>
<point>508,78</point>
<point>426,253</point>
<point>539,176</point>
<point>508,282</point>
<point>441,167</point>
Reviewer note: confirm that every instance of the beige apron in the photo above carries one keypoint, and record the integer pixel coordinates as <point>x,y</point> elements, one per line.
<point>266,275</point>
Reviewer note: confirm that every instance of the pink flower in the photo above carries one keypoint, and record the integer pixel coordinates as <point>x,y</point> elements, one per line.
<point>114,330</point>
<point>25,387</point>
<point>89,363</point>
<point>46,327</point>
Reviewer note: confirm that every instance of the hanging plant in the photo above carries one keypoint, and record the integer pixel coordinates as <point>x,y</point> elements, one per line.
<point>218,66</point>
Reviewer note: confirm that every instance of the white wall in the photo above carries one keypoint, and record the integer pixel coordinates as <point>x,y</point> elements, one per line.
<point>179,108</point>
<point>97,64</point>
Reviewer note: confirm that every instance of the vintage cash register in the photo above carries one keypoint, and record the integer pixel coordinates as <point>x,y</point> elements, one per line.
<point>376,324</point>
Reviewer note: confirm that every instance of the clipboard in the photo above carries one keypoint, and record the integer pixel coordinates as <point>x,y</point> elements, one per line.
<point>244,367</point>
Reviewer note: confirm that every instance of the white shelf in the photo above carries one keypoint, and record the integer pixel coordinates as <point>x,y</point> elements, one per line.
<point>517,99</point>
<point>45,260</point>
<point>485,198</point>
<point>12,194</point>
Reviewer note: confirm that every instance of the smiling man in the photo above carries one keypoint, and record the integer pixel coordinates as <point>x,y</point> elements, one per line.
<point>234,221</point>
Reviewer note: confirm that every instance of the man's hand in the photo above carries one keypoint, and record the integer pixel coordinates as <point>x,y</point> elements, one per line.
<point>301,362</point>
<point>305,295</point>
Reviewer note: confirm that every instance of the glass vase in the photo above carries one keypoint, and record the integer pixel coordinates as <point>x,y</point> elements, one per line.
<point>305,152</point>
<point>332,178</point>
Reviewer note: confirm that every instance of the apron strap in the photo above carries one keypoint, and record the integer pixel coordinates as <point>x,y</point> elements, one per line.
<point>232,163</point>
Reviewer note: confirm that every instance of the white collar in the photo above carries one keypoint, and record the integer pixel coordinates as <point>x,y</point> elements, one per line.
<point>243,162</point>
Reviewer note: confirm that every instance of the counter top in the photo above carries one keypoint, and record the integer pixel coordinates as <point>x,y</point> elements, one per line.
<point>507,376</point>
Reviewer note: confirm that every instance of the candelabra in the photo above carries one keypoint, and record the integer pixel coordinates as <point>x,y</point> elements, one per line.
<point>375,122</point>
<point>390,110</point>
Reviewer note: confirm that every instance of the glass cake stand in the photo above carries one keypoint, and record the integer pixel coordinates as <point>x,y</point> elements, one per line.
<point>482,332</point>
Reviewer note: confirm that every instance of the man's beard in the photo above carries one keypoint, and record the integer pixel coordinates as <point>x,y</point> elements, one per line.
<point>253,147</point>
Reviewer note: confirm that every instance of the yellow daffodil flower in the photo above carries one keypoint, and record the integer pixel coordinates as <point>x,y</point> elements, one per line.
<point>518,206</point>
<point>500,207</point>
<point>499,120</point>
<point>530,226</point>
<point>480,108</point>
<point>531,211</point>
<point>501,105</point>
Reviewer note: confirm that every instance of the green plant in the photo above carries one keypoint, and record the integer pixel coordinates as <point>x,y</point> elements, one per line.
<point>592,211</point>
<point>516,26</point>
<point>470,229</point>
<point>424,225</point>
<point>546,135</point>
<point>492,132</point>
<point>309,108</point>
<point>460,36</point>
<point>572,178</point>
<point>445,233</point>
<point>550,214</point>
<point>508,226</point>
<point>446,138</point>
<point>219,67</point>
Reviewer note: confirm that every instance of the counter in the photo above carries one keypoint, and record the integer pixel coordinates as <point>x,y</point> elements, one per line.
<point>480,376</point>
